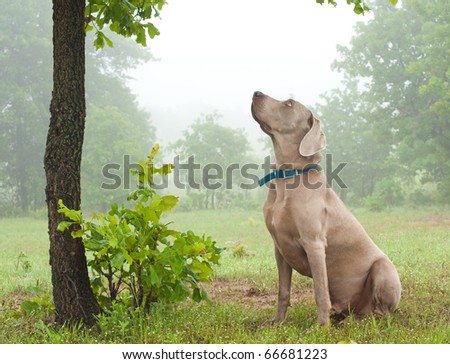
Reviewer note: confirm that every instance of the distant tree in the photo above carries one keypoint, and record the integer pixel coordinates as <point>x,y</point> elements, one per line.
<point>24,99</point>
<point>395,94</point>
<point>111,138</point>
<point>349,141</point>
<point>428,132</point>
<point>25,95</point>
<point>217,149</point>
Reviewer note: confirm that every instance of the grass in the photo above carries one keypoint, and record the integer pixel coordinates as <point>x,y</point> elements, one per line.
<point>244,293</point>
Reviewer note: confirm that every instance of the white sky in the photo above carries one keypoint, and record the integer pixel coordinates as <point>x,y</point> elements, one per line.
<point>215,53</point>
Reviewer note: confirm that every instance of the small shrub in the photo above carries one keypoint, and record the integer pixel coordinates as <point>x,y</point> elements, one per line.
<point>42,304</point>
<point>136,259</point>
<point>421,198</point>
<point>386,193</point>
<point>23,262</point>
<point>238,249</point>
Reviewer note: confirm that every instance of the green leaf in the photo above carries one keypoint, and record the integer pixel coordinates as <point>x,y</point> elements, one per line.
<point>152,30</point>
<point>166,169</point>
<point>114,209</point>
<point>358,9</point>
<point>108,41</point>
<point>177,264</point>
<point>153,153</point>
<point>180,292</point>
<point>117,11</point>
<point>115,27</point>
<point>141,256</point>
<point>74,215</point>
<point>77,233</point>
<point>63,225</point>
<point>30,306</point>
<point>99,42</point>
<point>203,269</point>
<point>95,245</point>
<point>161,3</point>
<point>150,214</point>
<point>167,203</point>
<point>117,260</point>
<point>394,2</point>
<point>196,295</point>
<point>127,256</point>
<point>205,294</point>
<point>90,8</point>
<point>102,252</point>
<point>155,280</point>
<point>130,6</point>
<point>140,36</point>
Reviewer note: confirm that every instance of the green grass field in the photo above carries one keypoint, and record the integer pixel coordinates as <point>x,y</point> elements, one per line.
<point>244,292</point>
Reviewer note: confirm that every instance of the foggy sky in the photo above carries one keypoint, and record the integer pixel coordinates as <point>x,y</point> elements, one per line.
<point>214,53</point>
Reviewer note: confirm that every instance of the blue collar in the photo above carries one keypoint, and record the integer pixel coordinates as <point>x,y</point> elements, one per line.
<point>279,173</point>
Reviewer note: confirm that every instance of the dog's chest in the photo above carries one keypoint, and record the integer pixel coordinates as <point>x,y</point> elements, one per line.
<point>280,221</point>
<point>279,212</point>
<point>279,218</point>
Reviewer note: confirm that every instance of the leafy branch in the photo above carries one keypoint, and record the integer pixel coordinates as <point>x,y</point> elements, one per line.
<point>132,17</point>
<point>125,17</point>
<point>359,6</point>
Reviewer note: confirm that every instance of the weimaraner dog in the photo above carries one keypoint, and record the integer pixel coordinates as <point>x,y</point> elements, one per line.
<point>314,233</point>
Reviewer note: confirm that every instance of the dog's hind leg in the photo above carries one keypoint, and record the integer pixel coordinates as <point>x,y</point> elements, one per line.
<point>382,289</point>
<point>386,287</point>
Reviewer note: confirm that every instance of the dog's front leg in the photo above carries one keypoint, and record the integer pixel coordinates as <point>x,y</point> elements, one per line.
<point>316,259</point>
<point>284,287</point>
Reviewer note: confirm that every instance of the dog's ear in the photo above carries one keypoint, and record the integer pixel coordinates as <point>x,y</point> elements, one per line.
<point>314,141</point>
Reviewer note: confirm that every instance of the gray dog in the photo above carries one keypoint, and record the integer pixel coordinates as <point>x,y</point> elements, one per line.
<point>314,233</point>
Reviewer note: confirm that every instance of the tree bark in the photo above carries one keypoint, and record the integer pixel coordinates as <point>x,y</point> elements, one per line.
<point>72,293</point>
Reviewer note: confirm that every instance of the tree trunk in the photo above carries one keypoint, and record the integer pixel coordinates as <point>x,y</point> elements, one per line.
<point>72,293</point>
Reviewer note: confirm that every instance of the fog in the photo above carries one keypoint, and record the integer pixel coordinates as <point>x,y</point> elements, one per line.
<point>209,58</point>
<point>212,55</point>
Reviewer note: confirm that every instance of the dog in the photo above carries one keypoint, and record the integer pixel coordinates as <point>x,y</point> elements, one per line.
<point>313,232</point>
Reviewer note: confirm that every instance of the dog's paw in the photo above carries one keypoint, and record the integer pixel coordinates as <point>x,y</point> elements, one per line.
<point>324,320</point>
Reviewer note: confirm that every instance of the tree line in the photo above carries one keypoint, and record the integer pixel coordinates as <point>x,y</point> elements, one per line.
<point>115,124</point>
<point>113,113</point>
<point>389,119</point>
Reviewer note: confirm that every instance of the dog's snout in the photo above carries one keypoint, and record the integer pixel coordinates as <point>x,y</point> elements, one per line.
<point>257,94</point>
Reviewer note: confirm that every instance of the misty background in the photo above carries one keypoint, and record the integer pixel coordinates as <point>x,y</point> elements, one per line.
<point>213,56</point>
<point>379,83</point>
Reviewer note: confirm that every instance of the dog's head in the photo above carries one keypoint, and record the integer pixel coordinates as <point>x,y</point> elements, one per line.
<point>289,120</point>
